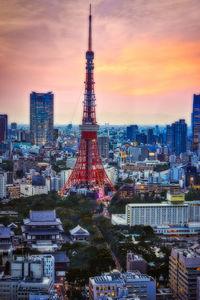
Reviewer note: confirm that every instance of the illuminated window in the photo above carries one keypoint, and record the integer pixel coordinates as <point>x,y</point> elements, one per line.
<point>113,294</point>
<point>105,288</point>
<point>112,288</point>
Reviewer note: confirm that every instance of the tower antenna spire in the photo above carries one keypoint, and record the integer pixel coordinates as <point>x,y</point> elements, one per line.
<point>90,30</point>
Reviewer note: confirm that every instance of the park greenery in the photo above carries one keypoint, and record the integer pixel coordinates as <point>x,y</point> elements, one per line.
<point>161,167</point>
<point>117,205</point>
<point>7,165</point>
<point>193,194</point>
<point>120,239</point>
<point>93,257</point>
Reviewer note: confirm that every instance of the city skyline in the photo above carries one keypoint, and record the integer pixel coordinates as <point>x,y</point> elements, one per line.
<point>41,47</point>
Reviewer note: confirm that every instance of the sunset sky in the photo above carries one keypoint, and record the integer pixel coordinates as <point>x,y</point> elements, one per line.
<point>147,58</point>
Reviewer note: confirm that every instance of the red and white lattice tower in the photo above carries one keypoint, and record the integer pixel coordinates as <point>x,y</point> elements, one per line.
<point>88,170</point>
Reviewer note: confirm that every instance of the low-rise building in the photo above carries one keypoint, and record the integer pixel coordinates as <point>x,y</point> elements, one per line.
<point>6,240</point>
<point>135,263</point>
<point>79,234</point>
<point>62,264</point>
<point>30,276</point>
<point>43,231</point>
<point>27,190</point>
<point>126,192</point>
<point>117,285</point>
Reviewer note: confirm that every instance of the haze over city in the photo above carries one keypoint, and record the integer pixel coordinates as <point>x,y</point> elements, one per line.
<point>147,63</point>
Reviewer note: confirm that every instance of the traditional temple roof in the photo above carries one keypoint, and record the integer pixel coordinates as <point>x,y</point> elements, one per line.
<point>78,230</point>
<point>5,233</point>
<point>61,257</point>
<point>38,216</point>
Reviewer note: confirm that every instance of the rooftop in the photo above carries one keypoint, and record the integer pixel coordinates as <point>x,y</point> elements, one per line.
<point>164,204</point>
<point>5,233</point>
<point>116,276</point>
<point>79,230</point>
<point>61,257</point>
<point>38,216</point>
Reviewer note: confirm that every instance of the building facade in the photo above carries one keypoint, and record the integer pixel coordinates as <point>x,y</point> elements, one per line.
<point>179,137</point>
<point>156,214</point>
<point>43,231</point>
<point>195,122</point>
<point>103,142</point>
<point>3,128</point>
<point>117,285</point>
<point>135,262</point>
<point>131,132</point>
<point>184,269</point>
<point>41,118</point>
<point>3,181</point>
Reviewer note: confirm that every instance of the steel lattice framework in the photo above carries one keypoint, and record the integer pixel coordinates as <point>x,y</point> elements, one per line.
<point>88,170</point>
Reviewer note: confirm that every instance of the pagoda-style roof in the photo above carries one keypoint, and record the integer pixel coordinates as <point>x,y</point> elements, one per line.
<point>42,218</point>
<point>46,216</point>
<point>78,230</point>
<point>5,233</point>
<point>61,257</point>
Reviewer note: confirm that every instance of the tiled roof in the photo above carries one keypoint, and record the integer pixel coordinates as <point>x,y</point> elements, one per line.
<point>79,230</point>
<point>61,257</point>
<point>38,216</point>
<point>5,232</point>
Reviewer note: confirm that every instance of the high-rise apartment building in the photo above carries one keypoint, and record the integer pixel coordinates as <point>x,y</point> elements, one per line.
<point>169,135</point>
<point>103,142</point>
<point>41,118</point>
<point>179,137</point>
<point>195,122</point>
<point>3,128</point>
<point>184,269</point>
<point>3,181</point>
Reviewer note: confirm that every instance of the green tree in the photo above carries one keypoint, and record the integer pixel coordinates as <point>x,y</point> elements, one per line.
<point>7,268</point>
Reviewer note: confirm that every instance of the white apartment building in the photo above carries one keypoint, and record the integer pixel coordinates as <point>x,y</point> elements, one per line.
<point>3,181</point>
<point>27,190</point>
<point>156,214</point>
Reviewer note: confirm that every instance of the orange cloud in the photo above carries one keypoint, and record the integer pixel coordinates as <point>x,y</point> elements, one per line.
<point>150,68</point>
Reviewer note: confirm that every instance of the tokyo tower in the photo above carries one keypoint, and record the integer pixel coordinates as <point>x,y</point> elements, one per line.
<point>88,170</point>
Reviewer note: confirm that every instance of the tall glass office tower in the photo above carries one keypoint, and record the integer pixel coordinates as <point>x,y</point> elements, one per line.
<point>179,137</point>
<point>41,118</point>
<point>195,122</point>
<point>3,128</point>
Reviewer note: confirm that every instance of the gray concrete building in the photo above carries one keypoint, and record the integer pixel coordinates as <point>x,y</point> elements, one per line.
<point>135,263</point>
<point>184,269</point>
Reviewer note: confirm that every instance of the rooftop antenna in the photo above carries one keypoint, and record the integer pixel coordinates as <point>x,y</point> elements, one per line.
<point>90,30</point>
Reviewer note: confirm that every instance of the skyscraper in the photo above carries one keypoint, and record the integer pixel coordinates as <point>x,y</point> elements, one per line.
<point>179,137</point>
<point>3,128</point>
<point>103,142</point>
<point>41,118</point>
<point>169,135</point>
<point>195,122</point>
<point>131,132</point>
